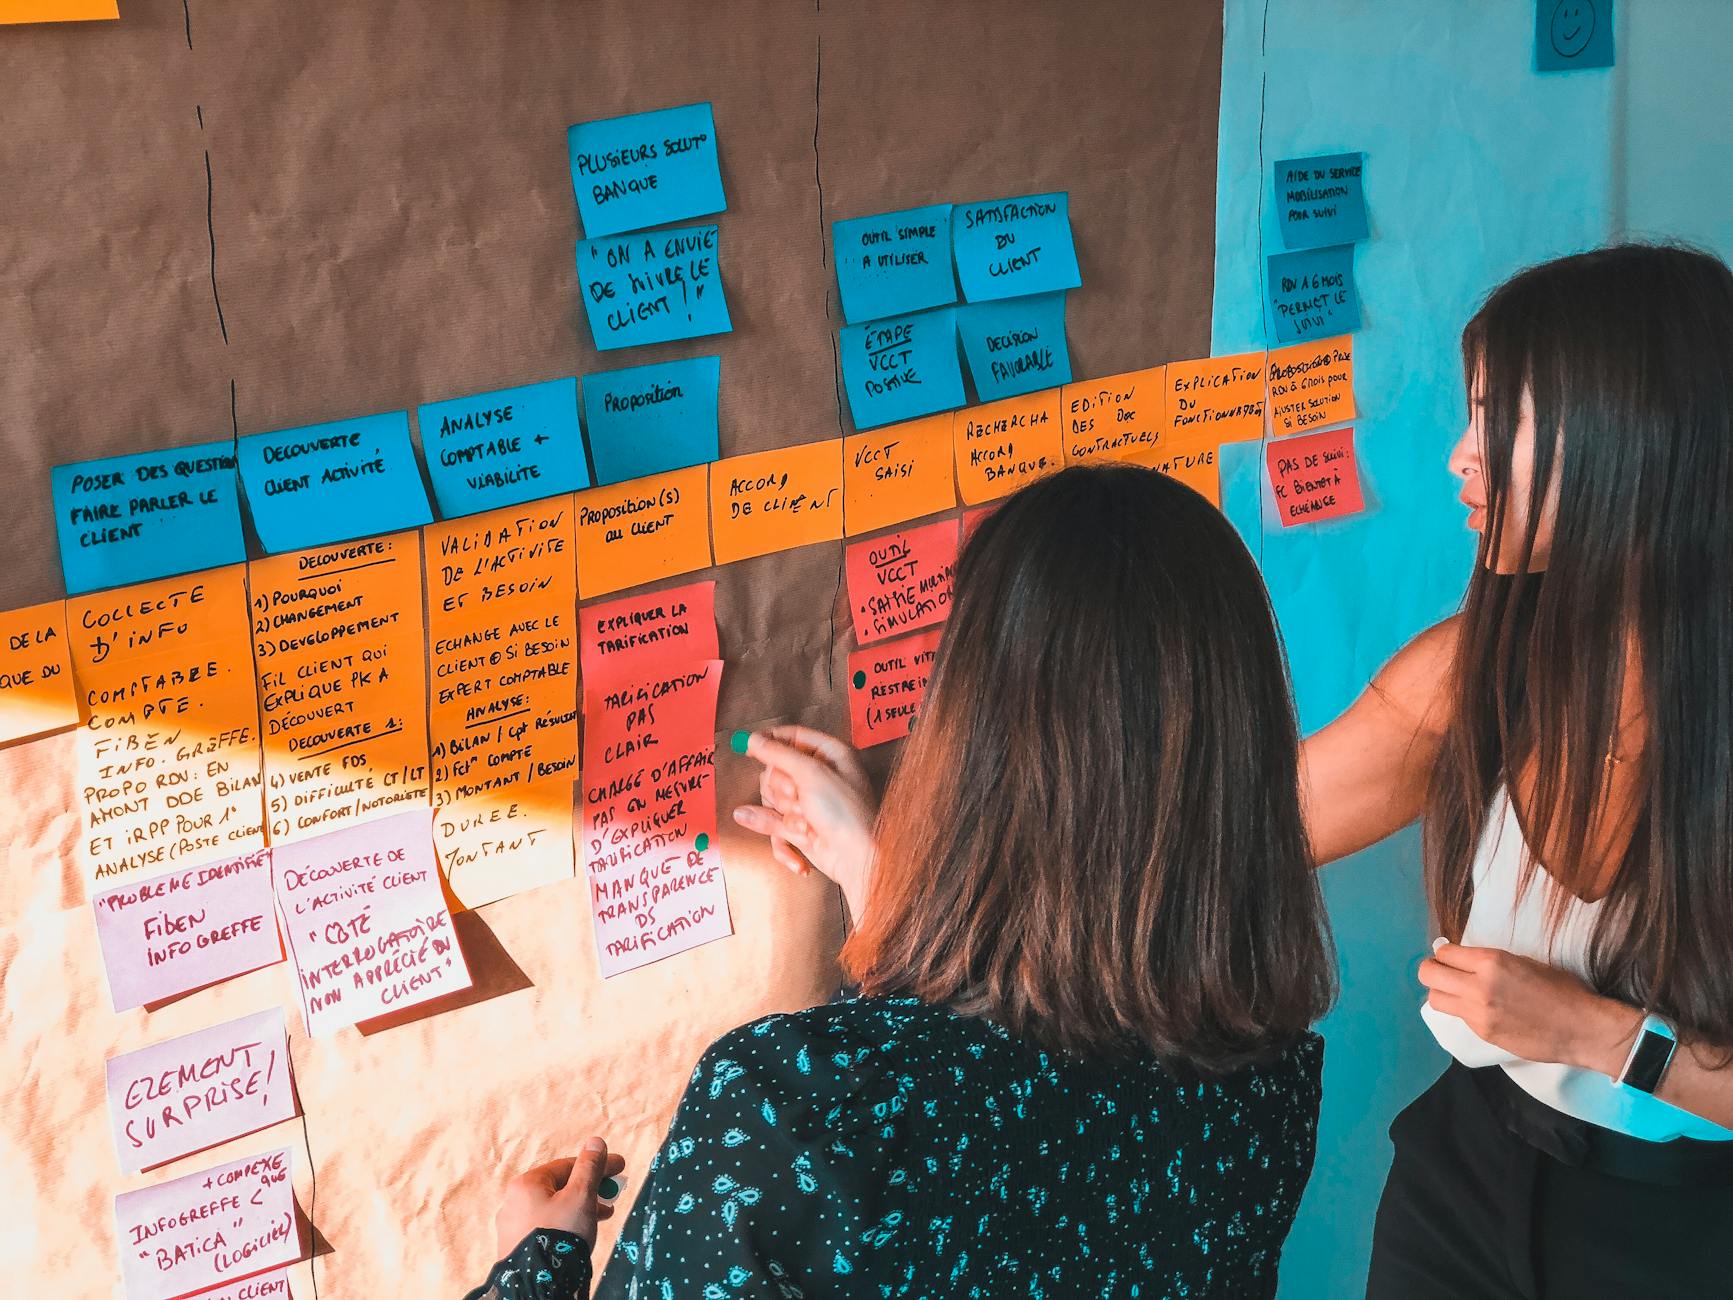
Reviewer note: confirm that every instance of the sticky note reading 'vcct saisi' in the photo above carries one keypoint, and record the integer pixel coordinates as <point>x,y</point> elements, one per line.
<point>1312,293</point>
<point>1320,200</point>
<point>504,448</point>
<point>894,263</point>
<point>895,474</point>
<point>332,482</point>
<point>1315,477</point>
<point>651,288</point>
<point>1015,345</point>
<point>646,169</point>
<point>1010,247</point>
<point>902,367</point>
<point>886,684</point>
<point>648,419</point>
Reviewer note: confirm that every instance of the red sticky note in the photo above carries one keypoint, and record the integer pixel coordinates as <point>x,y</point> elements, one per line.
<point>885,686</point>
<point>972,519</point>
<point>639,636</point>
<point>902,581</point>
<point>1315,476</point>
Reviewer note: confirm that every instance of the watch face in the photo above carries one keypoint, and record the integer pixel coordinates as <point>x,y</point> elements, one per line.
<point>1649,1061</point>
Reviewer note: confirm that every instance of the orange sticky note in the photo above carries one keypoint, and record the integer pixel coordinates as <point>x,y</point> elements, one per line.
<point>337,634</point>
<point>1218,399</point>
<point>1316,477</point>
<point>1003,445</point>
<point>36,693</point>
<point>1197,466</point>
<point>898,473</point>
<point>886,684</point>
<point>1122,417</point>
<point>638,531</point>
<point>776,500</point>
<point>57,11</point>
<point>1311,385</point>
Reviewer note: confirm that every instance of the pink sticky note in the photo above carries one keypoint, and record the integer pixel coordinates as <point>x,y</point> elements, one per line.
<point>902,581</point>
<point>210,1227</point>
<point>886,684</point>
<point>188,1093</point>
<point>972,519</point>
<point>1315,476</point>
<point>638,636</point>
<point>174,933</point>
<point>366,922</point>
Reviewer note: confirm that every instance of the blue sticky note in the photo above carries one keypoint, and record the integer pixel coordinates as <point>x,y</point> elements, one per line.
<point>504,448</point>
<point>646,169</point>
<point>894,263</point>
<point>1016,345</point>
<point>1321,200</point>
<point>1312,294</point>
<point>647,419</point>
<point>901,368</point>
<point>332,482</point>
<point>152,515</point>
<point>1011,247</point>
<point>1570,34</point>
<point>654,287</point>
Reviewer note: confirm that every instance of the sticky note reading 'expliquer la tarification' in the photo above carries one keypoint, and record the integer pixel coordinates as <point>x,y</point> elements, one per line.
<point>640,637</point>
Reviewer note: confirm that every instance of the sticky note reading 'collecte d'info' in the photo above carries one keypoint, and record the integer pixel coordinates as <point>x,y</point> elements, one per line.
<point>504,448</point>
<point>151,515</point>
<point>894,263</point>
<point>646,420</point>
<point>898,473</point>
<point>645,169</point>
<point>1015,345</point>
<point>332,482</point>
<point>188,1093</point>
<point>1321,200</point>
<point>901,367</point>
<point>1315,477</point>
<point>885,686</point>
<point>1312,293</point>
<point>652,288</point>
<point>639,637</point>
<point>36,691</point>
<point>207,1228</point>
<point>902,581</point>
<point>1010,247</point>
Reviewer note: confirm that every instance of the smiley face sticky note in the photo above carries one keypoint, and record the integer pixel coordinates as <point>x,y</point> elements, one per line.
<point>1572,34</point>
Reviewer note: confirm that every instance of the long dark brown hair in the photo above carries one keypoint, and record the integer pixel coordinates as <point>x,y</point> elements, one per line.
<point>1627,355</point>
<point>1093,836</point>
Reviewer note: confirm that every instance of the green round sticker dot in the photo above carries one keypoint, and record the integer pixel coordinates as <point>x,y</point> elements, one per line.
<point>703,841</point>
<point>739,740</point>
<point>859,680</point>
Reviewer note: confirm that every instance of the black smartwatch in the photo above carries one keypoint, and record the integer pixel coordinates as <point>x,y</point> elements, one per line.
<point>1650,1055</point>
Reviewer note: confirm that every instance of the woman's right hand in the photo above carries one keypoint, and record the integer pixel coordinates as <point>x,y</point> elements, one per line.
<point>818,800</point>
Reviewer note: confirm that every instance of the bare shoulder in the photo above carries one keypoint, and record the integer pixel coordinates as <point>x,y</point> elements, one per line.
<point>1420,677</point>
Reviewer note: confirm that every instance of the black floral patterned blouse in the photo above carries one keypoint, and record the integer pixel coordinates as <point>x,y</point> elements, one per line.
<point>885,1147</point>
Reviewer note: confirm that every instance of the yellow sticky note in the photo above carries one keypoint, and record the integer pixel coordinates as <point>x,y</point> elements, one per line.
<point>1122,417</point>
<point>648,528</point>
<point>1312,385</point>
<point>898,473</point>
<point>1003,445</point>
<point>776,500</point>
<point>36,693</point>
<point>1218,399</point>
<point>1198,466</point>
<point>57,11</point>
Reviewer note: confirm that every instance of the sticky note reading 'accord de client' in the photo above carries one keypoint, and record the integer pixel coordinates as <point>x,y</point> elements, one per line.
<point>776,500</point>
<point>894,263</point>
<point>646,169</point>
<point>1015,345</point>
<point>902,367</point>
<point>504,448</point>
<point>332,482</point>
<point>1010,247</point>
<point>649,419</point>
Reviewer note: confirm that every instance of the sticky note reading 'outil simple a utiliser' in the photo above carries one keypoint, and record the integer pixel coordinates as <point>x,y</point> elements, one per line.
<point>895,474</point>
<point>1312,293</point>
<point>1321,200</point>
<point>902,581</point>
<point>1311,385</point>
<point>504,448</point>
<point>332,482</point>
<point>36,692</point>
<point>636,638</point>
<point>1315,477</point>
<point>151,515</point>
<point>1010,247</point>
<point>634,533</point>
<point>1121,417</point>
<point>646,169</point>
<point>646,420</point>
<point>894,263</point>
<point>886,684</point>
<point>776,500</point>
<point>1004,445</point>
<point>1015,345</point>
<point>652,288</point>
<point>901,367</point>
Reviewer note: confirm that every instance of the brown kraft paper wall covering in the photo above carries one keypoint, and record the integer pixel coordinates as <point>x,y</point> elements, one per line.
<point>375,198</point>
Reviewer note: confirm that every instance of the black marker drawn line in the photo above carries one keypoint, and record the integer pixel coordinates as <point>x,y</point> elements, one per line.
<point>488,722</point>
<point>359,740</point>
<point>211,230</point>
<point>327,573</point>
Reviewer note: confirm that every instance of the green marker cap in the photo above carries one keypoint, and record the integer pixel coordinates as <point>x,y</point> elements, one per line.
<point>609,1189</point>
<point>739,740</point>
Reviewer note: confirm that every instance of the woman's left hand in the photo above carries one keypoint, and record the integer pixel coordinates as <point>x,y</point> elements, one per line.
<point>1536,1011</point>
<point>560,1194</point>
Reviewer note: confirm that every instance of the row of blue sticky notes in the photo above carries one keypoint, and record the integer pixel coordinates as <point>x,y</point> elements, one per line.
<point>646,169</point>
<point>1312,294</point>
<point>901,368</point>
<point>1015,345</point>
<point>1321,200</point>
<point>648,419</point>
<point>651,288</point>
<point>504,448</point>
<point>1011,247</point>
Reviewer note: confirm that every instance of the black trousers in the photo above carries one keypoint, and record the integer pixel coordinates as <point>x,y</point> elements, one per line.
<point>1494,1196</point>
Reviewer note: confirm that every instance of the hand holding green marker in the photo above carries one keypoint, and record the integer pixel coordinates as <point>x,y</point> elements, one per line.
<point>610,1189</point>
<point>739,741</point>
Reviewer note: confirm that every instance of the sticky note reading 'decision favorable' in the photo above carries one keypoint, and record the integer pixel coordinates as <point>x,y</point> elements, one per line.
<point>504,448</point>
<point>1011,247</point>
<point>1015,345</point>
<point>894,263</point>
<point>1312,293</point>
<point>885,686</point>
<point>332,482</point>
<point>1320,200</point>
<point>1315,477</point>
<point>645,169</point>
<point>901,367</point>
<point>897,473</point>
<point>1004,445</point>
<point>648,419</point>
<point>776,500</point>
<point>637,532</point>
<point>652,288</point>
<point>36,691</point>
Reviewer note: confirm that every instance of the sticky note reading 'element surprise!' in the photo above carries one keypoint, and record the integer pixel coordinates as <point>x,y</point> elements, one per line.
<point>1016,345</point>
<point>894,263</point>
<point>886,684</point>
<point>1312,293</point>
<point>153,515</point>
<point>1010,247</point>
<point>653,288</point>
<point>646,420</point>
<point>504,448</point>
<point>902,367</point>
<point>646,169</point>
<point>1315,477</point>
<point>1321,200</point>
<point>333,482</point>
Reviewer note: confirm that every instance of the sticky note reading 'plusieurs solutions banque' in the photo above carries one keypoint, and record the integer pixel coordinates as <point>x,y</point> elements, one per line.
<point>652,288</point>
<point>1312,293</point>
<point>152,515</point>
<point>894,263</point>
<point>1321,200</point>
<point>1010,247</point>
<point>504,448</point>
<point>647,420</point>
<point>332,482</point>
<point>902,367</point>
<point>646,169</point>
<point>1015,345</point>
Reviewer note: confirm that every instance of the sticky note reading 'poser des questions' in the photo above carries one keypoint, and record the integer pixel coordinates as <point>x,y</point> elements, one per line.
<point>1015,345</point>
<point>894,263</point>
<point>1010,247</point>
<point>332,482</point>
<point>652,288</point>
<point>646,169</point>
<point>504,448</point>
<point>646,420</point>
<point>1321,200</point>
<point>902,367</point>
<point>1312,293</point>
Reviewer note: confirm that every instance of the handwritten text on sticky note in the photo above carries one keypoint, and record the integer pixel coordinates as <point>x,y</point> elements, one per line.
<point>637,532</point>
<point>36,691</point>
<point>645,169</point>
<point>894,263</point>
<point>902,581</point>
<point>1311,385</point>
<point>1217,399</point>
<point>1015,345</point>
<point>776,500</point>
<point>1315,477</point>
<point>1312,293</point>
<point>652,288</point>
<point>886,684</point>
<point>901,367</point>
<point>1321,200</point>
<point>1010,247</point>
<point>646,420</point>
<point>332,482</point>
<point>505,447</point>
<point>895,474</point>
<point>1004,445</point>
<point>639,637</point>
<point>1122,417</point>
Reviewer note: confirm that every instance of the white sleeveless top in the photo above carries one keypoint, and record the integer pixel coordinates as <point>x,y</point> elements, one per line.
<point>1499,919</point>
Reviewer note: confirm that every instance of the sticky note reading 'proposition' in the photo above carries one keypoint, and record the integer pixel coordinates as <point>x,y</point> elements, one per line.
<point>902,581</point>
<point>885,686</point>
<point>776,500</point>
<point>332,482</point>
<point>892,475</point>
<point>1570,34</point>
<point>1312,384</point>
<point>1217,399</point>
<point>639,637</point>
<point>637,532</point>
<point>1004,445</point>
<point>1315,477</point>
<point>1321,200</point>
<point>1122,417</point>
<point>504,448</point>
<point>649,419</point>
<point>1312,293</point>
<point>170,1233</point>
<point>152,515</point>
<point>1015,345</point>
<point>651,288</point>
<point>901,367</point>
<point>894,263</point>
<point>188,1093</point>
<point>365,921</point>
<point>1011,247</point>
<point>36,691</point>
<point>646,169</point>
